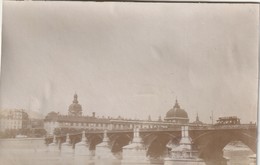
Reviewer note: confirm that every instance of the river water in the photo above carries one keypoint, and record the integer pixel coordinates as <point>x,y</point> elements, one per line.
<point>34,152</point>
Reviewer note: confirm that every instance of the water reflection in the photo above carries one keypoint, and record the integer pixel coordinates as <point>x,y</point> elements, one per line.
<point>10,156</point>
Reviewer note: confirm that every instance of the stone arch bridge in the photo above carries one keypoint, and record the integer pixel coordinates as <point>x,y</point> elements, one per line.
<point>209,140</point>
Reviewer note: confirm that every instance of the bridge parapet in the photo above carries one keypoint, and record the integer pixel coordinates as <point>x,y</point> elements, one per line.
<point>219,127</point>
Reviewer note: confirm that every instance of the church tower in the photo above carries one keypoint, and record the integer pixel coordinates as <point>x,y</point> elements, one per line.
<point>75,108</point>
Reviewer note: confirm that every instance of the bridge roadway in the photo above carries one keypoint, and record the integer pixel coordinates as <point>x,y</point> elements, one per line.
<point>209,140</point>
<point>176,128</point>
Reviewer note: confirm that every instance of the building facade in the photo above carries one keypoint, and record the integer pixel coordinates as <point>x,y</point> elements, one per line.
<point>54,121</point>
<point>13,119</point>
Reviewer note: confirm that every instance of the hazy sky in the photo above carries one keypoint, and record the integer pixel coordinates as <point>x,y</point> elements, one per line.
<point>131,59</point>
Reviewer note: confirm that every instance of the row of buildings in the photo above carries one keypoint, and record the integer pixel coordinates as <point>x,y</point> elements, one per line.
<point>74,120</point>
<point>13,119</point>
<point>18,119</point>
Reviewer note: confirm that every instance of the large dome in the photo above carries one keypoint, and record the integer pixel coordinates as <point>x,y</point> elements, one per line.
<point>176,114</point>
<point>75,108</point>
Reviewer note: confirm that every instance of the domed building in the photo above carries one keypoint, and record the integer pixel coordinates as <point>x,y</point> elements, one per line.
<point>75,108</point>
<point>177,115</point>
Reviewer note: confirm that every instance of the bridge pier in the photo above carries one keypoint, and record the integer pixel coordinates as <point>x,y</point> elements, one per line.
<point>103,150</point>
<point>135,152</point>
<point>183,153</point>
<point>67,148</point>
<point>82,148</point>
<point>54,147</point>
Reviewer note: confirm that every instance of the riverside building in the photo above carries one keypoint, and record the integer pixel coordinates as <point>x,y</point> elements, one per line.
<point>13,119</point>
<point>75,120</point>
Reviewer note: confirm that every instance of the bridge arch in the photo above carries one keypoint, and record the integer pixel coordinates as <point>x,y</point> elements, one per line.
<point>118,141</point>
<point>156,143</point>
<point>212,143</point>
<point>94,140</point>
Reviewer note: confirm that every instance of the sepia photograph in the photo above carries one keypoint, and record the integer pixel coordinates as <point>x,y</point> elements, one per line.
<point>121,83</point>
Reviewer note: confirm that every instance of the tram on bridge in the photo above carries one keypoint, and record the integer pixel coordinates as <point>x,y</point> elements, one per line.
<point>230,120</point>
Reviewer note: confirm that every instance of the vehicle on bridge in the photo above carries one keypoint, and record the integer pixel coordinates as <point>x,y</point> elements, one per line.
<point>229,120</point>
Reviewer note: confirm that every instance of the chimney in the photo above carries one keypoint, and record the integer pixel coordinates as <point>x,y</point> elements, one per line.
<point>93,114</point>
